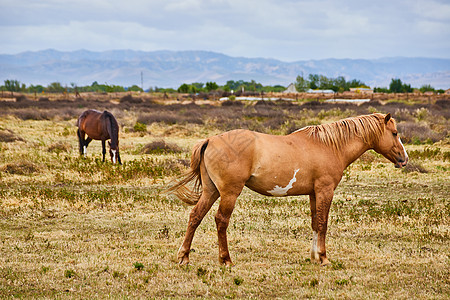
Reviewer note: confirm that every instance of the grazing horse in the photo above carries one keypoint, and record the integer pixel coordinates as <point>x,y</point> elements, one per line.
<point>309,161</point>
<point>99,126</point>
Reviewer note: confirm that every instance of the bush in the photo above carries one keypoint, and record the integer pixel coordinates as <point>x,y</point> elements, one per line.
<point>22,98</point>
<point>161,147</point>
<point>59,147</point>
<point>130,99</point>
<point>140,127</point>
<point>417,134</point>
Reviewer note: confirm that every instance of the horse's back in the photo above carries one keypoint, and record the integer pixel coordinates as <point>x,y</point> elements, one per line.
<point>92,122</point>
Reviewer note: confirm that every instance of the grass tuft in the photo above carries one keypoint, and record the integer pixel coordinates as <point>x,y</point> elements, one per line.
<point>20,168</point>
<point>414,167</point>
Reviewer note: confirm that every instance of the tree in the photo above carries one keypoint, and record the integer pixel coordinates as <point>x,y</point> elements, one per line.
<point>301,84</point>
<point>135,88</point>
<point>396,85</point>
<point>55,87</point>
<point>12,85</point>
<point>198,85</point>
<point>211,86</point>
<point>184,88</point>
<point>426,88</point>
<point>314,81</point>
<point>36,89</point>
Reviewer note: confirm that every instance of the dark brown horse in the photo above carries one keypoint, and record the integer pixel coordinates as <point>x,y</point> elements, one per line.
<point>99,126</point>
<point>310,161</point>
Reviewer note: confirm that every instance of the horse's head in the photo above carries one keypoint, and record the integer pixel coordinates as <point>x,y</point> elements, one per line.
<point>114,153</point>
<point>390,145</point>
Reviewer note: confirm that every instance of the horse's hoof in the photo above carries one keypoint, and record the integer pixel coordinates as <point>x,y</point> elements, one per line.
<point>183,260</point>
<point>226,263</point>
<point>325,262</point>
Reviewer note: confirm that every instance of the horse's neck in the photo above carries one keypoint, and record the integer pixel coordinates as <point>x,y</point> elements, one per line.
<point>352,150</point>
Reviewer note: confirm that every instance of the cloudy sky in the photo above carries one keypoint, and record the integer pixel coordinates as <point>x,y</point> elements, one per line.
<point>287,30</point>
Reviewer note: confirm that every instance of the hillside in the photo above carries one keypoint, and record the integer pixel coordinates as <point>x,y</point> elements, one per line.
<point>170,69</point>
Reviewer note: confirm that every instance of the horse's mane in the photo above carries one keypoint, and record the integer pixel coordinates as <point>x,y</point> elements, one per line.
<point>368,127</point>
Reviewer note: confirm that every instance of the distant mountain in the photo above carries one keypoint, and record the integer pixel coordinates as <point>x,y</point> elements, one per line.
<point>172,68</point>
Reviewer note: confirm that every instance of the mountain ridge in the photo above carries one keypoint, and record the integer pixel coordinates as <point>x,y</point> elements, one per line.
<point>166,68</point>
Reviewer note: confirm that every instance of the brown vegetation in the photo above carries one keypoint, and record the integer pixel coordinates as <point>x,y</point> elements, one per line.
<point>74,227</point>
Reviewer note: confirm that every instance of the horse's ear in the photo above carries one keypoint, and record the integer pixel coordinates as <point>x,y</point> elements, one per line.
<point>387,118</point>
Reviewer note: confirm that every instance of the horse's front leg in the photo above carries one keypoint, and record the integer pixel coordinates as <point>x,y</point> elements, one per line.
<point>320,204</point>
<point>85,144</point>
<point>312,204</point>
<point>103,149</point>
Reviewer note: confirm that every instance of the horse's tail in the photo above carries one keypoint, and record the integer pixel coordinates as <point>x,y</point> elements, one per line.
<point>113,129</point>
<point>180,189</point>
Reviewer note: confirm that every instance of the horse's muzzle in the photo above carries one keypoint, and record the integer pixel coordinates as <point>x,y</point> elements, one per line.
<point>401,162</point>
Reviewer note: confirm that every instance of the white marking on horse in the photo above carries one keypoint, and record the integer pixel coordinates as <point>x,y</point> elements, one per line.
<point>404,150</point>
<point>314,246</point>
<point>84,150</point>
<point>114,156</point>
<point>282,191</point>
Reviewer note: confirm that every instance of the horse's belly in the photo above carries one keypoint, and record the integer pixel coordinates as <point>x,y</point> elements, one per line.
<point>96,134</point>
<point>273,185</point>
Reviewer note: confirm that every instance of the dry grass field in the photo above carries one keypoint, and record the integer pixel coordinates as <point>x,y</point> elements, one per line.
<point>73,227</point>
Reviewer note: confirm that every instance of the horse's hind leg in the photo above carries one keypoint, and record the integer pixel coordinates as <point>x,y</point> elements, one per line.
<point>80,141</point>
<point>226,207</point>
<point>207,199</point>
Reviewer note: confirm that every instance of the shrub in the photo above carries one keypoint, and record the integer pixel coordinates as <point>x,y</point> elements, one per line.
<point>416,133</point>
<point>422,113</point>
<point>22,98</point>
<point>59,147</point>
<point>232,102</point>
<point>162,117</point>
<point>427,153</point>
<point>140,127</point>
<point>131,99</point>
<point>160,147</point>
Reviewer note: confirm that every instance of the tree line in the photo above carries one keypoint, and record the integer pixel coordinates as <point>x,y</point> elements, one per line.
<point>339,84</point>
<point>302,84</point>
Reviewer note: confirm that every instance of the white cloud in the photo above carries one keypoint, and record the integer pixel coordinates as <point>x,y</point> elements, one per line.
<point>283,29</point>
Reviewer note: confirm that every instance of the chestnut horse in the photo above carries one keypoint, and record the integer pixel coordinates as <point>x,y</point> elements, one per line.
<point>99,126</point>
<point>309,161</point>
